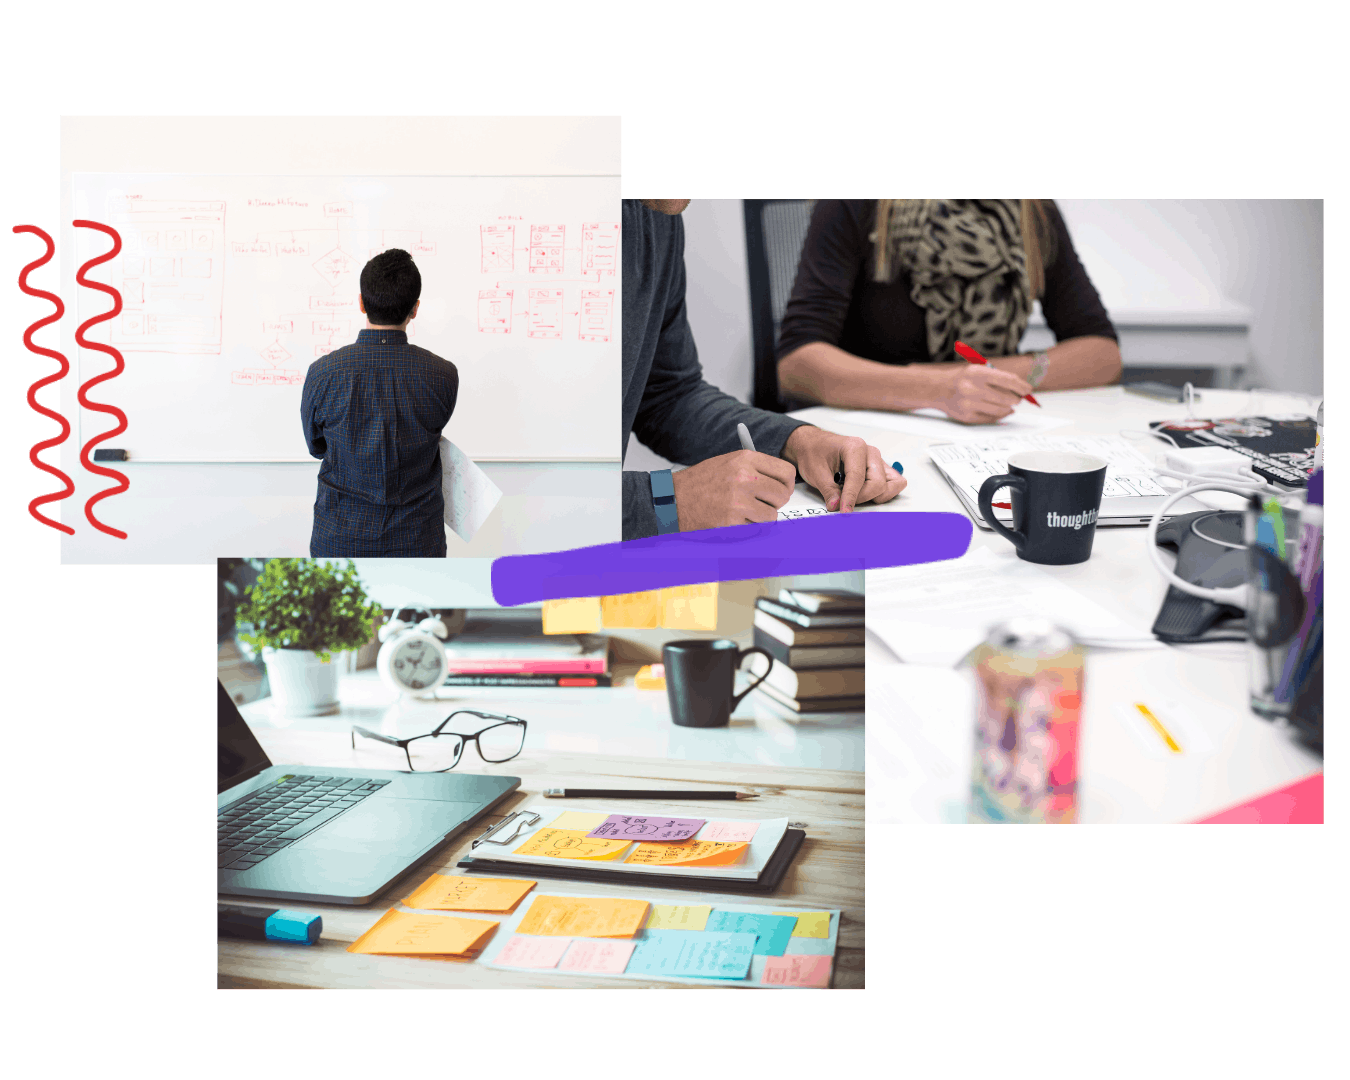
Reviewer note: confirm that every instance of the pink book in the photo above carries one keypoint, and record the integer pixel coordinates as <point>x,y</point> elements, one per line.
<point>581,665</point>
<point>1298,804</point>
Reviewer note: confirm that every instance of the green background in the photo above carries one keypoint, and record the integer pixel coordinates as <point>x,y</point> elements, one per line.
<point>1072,952</point>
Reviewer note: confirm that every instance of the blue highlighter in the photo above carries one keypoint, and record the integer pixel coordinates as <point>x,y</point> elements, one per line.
<point>268,924</point>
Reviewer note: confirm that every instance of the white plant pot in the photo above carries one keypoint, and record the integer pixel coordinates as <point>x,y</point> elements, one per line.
<point>302,684</point>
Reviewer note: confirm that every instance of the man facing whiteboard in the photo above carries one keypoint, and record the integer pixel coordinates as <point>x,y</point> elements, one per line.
<point>374,412</point>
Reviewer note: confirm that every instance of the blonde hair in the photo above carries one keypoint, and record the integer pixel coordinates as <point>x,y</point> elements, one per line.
<point>1038,240</point>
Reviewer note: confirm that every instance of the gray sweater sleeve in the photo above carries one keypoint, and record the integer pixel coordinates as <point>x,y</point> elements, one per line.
<point>639,515</point>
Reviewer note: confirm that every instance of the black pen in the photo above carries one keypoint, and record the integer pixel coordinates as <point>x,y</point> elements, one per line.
<point>640,793</point>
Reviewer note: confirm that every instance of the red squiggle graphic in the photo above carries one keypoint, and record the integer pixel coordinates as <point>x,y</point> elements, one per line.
<point>118,365</point>
<point>46,444</point>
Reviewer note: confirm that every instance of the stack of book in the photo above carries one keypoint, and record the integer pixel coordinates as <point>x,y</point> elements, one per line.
<point>564,660</point>
<point>816,640</point>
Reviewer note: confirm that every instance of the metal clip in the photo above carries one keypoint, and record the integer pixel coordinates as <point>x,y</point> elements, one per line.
<point>523,823</point>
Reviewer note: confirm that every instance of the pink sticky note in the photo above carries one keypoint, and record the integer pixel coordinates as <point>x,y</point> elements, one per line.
<point>729,831</point>
<point>1298,804</point>
<point>595,954</point>
<point>618,827</point>
<point>794,970</point>
<point>533,952</point>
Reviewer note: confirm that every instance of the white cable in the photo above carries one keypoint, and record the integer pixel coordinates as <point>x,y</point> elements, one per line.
<point>1235,595</point>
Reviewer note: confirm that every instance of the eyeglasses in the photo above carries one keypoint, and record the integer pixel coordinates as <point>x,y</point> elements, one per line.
<point>440,750</point>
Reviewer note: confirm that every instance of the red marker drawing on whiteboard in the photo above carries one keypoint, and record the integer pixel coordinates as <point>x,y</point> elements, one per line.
<point>971,355</point>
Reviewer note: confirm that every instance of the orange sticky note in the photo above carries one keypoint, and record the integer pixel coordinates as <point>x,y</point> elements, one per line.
<point>580,615</point>
<point>689,607</point>
<point>581,916</point>
<point>571,844</point>
<point>455,892</point>
<point>688,853</point>
<point>634,611</point>
<point>796,970</point>
<point>399,933</point>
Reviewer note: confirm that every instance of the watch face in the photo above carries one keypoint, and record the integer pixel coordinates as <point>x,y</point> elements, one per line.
<point>416,664</point>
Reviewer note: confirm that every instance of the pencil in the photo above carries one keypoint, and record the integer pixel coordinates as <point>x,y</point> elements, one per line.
<point>640,793</point>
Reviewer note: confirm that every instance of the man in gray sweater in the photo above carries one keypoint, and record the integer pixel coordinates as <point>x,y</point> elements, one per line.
<point>684,419</point>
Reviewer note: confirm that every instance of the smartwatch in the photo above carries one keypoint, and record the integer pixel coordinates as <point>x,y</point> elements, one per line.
<point>663,499</point>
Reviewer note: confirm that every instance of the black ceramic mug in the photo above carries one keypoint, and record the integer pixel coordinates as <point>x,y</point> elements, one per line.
<point>1056,496</point>
<point>700,678</point>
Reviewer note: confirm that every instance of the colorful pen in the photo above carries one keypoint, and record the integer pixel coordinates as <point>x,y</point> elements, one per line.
<point>975,358</point>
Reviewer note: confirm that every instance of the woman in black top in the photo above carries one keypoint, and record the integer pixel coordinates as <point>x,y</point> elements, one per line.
<point>885,287</point>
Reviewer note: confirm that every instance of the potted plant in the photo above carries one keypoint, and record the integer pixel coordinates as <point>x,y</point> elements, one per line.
<point>301,611</point>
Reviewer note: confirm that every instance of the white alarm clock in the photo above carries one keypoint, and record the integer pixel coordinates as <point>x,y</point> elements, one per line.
<point>412,658</point>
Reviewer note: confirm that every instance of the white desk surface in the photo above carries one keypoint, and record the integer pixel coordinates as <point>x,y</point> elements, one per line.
<point>918,747</point>
<point>620,721</point>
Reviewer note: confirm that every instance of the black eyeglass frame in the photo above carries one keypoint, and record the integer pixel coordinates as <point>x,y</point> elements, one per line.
<point>464,740</point>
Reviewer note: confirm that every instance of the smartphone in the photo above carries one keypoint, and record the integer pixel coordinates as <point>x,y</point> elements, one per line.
<point>1157,390</point>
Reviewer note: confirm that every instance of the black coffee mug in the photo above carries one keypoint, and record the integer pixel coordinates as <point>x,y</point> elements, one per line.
<point>700,678</point>
<point>1056,496</point>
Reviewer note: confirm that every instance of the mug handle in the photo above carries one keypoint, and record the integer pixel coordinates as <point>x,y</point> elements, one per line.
<point>740,656</point>
<point>986,501</point>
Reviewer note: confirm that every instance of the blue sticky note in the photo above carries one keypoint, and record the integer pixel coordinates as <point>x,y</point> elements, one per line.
<point>773,931</point>
<point>694,953</point>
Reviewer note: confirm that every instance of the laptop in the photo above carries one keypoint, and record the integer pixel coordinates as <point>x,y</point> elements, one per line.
<point>340,836</point>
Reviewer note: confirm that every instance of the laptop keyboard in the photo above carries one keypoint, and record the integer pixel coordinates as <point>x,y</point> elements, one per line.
<point>248,831</point>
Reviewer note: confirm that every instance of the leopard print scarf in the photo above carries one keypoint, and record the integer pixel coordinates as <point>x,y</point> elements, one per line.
<point>967,268</point>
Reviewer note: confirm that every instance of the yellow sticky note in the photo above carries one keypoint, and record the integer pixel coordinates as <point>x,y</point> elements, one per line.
<point>399,933</point>
<point>571,844</point>
<point>455,892</point>
<point>810,923</point>
<point>689,853</point>
<point>581,916</point>
<point>689,607</point>
<point>631,611</point>
<point>577,820</point>
<point>576,616</point>
<point>678,917</point>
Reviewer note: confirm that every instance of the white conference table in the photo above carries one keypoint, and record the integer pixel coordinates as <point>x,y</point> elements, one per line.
<point>621,721</point>
<point>919,738</point>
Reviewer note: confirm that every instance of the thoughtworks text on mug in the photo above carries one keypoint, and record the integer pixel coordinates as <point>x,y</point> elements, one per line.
<point>1066,521</point>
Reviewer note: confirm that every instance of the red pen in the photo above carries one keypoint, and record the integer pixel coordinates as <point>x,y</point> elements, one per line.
<point>970,354</point>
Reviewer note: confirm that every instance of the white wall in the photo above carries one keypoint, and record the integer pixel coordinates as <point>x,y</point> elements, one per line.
<point>1162,256</point>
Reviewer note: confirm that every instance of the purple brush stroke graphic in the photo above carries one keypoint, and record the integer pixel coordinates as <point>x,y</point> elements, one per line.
<point>818,545</point>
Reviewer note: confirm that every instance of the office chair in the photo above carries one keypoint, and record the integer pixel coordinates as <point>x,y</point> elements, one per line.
<point>774,232</point>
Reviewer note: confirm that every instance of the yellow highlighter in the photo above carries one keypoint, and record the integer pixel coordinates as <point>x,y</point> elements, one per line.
<point>1157,726</point>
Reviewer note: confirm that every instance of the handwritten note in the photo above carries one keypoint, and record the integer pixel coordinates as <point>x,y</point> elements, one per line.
<point>689,853</point>
<point>468,494</point>
<point>606,957</point>
<point>772,932</point>
<point>811,971</point>
<point>453,892</point>
<point>729,831</point>
<point>812,924</point>
<point>646,828</point>
<point>399,933</point>
<point>679,917</point>
<point>576,820</point>
<point>574,616</point>
<point>570,844</point>
<point>693,952</point>
<point>578,916</point>
<point>533,952</point>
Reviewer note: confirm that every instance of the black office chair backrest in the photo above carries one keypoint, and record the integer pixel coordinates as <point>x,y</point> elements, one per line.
<point>774,232</point>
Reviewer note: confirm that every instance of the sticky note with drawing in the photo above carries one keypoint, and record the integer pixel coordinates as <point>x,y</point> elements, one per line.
<point>571,844</point>
<point>619,826</point>
<point>400,933</point>
<point>578,916</point>
<point>468,493</point>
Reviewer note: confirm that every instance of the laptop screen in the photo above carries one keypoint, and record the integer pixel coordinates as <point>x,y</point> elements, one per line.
<point>240,755</point>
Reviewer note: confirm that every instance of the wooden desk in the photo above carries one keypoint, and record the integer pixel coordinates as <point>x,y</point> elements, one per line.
<point>827,872</point>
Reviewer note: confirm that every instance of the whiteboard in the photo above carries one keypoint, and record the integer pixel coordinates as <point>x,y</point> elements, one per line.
<point>233,285</point>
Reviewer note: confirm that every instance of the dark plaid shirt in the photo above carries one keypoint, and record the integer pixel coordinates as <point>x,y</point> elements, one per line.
<point>374,412</point>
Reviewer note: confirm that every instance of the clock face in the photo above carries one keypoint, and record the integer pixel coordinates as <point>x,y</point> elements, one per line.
<point>416,664</point>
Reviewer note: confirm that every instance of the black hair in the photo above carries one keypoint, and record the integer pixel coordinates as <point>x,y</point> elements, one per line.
<point>390,286</point>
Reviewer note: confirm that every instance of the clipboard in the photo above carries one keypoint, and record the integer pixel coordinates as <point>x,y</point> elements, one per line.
<point>767,881</point>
